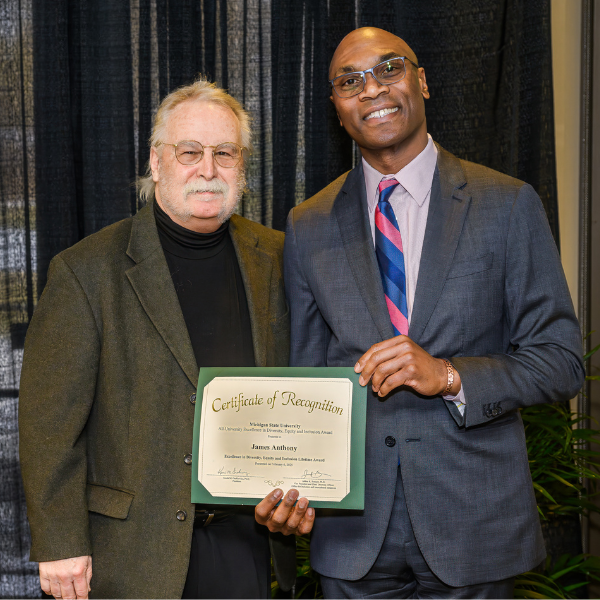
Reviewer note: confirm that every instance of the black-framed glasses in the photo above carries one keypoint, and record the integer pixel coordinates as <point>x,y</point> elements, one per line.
<point>385,73</point>
<point>190,152</point>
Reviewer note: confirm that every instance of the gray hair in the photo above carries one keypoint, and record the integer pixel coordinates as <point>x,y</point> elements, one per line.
<point>203,91</point>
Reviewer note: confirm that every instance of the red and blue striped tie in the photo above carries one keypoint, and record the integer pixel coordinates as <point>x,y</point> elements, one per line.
<point>390,256</point>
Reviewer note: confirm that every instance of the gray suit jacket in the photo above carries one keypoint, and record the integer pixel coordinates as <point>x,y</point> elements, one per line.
<point>492,297</point>
<point>105,415</point>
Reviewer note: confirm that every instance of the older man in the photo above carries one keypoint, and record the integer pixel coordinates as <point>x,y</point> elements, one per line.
<point>111,365</point>
<point>439,280</point>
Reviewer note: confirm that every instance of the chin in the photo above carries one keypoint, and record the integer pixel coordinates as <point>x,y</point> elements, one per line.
<point>226,211</point>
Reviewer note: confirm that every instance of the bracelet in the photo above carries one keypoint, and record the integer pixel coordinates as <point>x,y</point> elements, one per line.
<point>450,368</point>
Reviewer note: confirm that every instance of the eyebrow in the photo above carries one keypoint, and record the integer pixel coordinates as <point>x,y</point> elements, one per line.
<point>352,69</point>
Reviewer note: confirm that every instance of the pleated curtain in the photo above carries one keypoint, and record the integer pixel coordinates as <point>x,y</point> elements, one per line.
<point>81,80</point>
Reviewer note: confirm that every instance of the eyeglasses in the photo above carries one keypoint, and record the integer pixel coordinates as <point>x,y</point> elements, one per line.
<point>189,152</point>
<point>385,73</point>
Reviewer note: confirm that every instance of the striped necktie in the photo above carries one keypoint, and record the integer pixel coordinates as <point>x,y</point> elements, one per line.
<point>390,256</point>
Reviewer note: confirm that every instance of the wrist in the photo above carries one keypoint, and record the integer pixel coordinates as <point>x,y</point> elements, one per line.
<point>452,383</point>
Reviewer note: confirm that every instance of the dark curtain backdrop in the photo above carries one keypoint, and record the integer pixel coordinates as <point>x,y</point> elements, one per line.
<point>82,79</point>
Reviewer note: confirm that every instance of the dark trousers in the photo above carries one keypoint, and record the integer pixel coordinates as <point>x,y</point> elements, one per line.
<point>230,558</point>
<point>400,570</point>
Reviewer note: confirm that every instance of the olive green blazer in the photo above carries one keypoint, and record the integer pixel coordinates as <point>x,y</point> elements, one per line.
<point>105,403</point>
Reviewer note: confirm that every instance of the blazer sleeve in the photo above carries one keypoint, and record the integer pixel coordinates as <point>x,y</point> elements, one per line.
<point>58,380</point>
<point>545,362</point>
<point>310,333</point>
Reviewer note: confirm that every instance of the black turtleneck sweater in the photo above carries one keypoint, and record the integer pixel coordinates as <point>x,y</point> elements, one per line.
<point>209,285</point>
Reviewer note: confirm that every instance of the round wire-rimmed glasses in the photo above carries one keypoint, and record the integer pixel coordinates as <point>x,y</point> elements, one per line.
<point>190,152</point>
<point>385,73</point>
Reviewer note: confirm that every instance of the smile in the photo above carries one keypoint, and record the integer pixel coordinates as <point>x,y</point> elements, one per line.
<point>381,113</point>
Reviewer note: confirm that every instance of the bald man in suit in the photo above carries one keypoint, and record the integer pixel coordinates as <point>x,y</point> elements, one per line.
<point>440,281</point>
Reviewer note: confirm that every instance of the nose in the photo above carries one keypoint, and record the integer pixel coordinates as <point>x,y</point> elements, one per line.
<point>372,87</point>
<point>206,167</point>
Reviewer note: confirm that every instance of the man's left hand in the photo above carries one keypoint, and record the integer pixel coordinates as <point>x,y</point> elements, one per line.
<point>399,361</point>
<point>289,517</point>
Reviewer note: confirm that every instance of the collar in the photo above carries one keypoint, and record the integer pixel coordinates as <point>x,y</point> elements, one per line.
<point>415,177</point>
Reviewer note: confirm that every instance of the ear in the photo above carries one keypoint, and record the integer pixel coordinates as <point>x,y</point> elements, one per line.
<point>154,160</point>
<point>336,112</point>
<point>423,83</point>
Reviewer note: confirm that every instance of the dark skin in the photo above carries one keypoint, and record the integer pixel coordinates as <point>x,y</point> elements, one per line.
<point>388,143</point>
<point>291,516</point>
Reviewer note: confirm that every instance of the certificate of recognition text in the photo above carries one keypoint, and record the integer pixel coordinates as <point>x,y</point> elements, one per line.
<point>258,433</point>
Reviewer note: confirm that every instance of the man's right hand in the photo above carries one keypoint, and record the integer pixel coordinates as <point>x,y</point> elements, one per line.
<point>67,578</point>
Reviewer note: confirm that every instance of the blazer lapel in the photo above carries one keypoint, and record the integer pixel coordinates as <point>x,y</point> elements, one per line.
<point>447,211</point>
<point>256,267</point>
<point>351,212</point>
<point>151,281</point>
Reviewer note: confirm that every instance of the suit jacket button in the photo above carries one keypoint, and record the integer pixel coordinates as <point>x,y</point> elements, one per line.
<point>499,409</point>
<point>187,459</point>
<point>390,441</point>
<point>181,515</point>
<point>495,412</point>
<point>193,398</point>
<point>488,413</point>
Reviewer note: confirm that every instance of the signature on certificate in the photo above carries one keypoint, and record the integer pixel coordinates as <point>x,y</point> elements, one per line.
<point>268,481</point>
<point>313,474</point>
<point>223,471</point>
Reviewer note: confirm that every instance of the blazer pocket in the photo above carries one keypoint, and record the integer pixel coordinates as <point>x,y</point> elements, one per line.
<point>108,501</point>
<point>468,267</point>
<point>503,421</point>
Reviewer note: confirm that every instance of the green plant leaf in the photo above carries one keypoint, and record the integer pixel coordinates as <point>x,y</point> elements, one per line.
<point>523,593</point>
<point>589,354</point>
<point>543,491</point>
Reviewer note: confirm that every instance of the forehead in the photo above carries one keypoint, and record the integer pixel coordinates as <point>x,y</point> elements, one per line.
<point>364,50</point>
<point>205,122</point>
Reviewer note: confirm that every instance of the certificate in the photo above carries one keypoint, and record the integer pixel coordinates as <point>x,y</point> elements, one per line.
<point>260,428</point>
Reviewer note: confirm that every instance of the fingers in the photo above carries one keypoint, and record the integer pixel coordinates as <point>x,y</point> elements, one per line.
<point>55,589</point>
<point>377,354</point>
<point>45,584</point>
<point>306,516</point>
<point>68,578</point>
<point>400,362</point>
<point>385,385</point>
<point>280,515</point>
<point>382,360</point>
<point>292,516</point>
<point>61,588</point>
<point>81,583</point>
<point>264,509</point>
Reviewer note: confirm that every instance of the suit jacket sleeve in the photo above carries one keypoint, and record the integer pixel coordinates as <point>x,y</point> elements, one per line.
<point>310,333</point>
<point>58,380</point>
<point>545,363</point>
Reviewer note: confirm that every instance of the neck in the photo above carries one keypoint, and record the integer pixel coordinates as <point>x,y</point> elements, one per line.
<point>394,158</point>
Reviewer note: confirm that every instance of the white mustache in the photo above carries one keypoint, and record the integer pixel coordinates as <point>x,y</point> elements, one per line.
<point>216,187</point>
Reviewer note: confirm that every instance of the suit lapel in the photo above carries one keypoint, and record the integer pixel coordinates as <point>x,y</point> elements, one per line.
<point>256,267</point>
<point>351,212</point>
<point>447,211</point>
<point>152,283</point>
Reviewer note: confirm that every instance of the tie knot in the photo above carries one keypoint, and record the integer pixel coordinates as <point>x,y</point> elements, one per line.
<point>386,183</point>
<point>386,187</point>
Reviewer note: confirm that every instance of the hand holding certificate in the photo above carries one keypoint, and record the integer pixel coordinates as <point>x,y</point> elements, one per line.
<point>259,429</point>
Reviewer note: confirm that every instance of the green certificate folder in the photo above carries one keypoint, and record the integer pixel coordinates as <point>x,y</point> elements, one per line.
<point>267,427</point>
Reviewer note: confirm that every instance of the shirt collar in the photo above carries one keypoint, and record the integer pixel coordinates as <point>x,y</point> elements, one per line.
<point>416,177</point>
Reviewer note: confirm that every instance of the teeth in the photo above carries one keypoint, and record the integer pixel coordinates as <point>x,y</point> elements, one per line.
<point>381,113</point>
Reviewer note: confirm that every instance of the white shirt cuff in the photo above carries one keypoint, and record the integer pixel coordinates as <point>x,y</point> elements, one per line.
<point>459,400</point>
